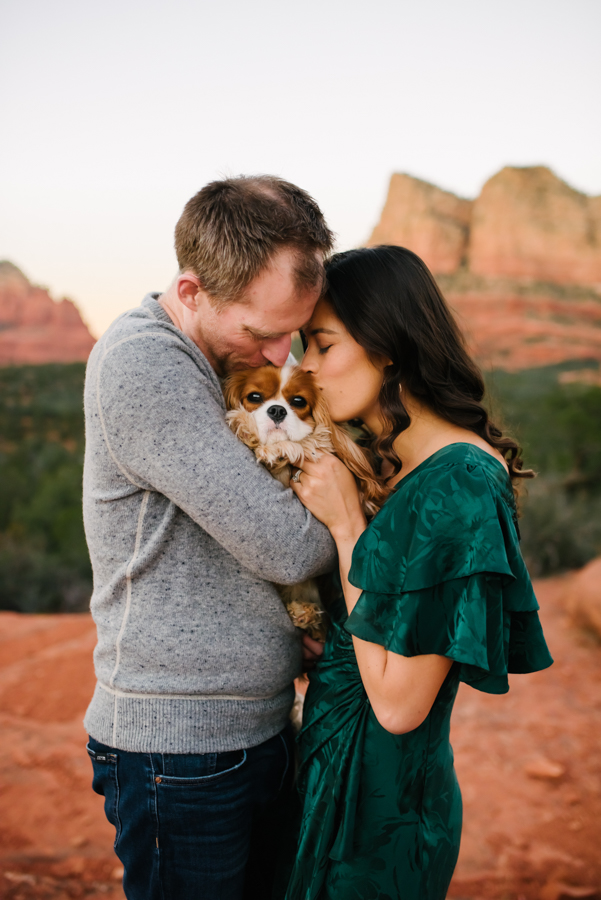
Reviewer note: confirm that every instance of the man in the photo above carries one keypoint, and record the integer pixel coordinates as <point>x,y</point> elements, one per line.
<point>187,534</point>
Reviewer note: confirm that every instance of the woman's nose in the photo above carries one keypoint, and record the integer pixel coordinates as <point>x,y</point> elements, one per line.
<point>309,363</point>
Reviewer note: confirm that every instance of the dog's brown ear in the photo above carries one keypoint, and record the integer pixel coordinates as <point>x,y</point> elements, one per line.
<point>373,491</point>
<point>320,411</point>
<point>233,388</point>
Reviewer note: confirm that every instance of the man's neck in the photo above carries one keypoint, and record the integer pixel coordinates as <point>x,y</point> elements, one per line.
<point>172,306</point>
<point>169,305</point>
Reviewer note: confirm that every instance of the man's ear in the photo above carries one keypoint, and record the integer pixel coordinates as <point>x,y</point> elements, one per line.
<point>188,287</point>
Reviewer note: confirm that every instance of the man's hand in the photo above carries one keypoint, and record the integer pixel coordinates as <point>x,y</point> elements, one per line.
<point>312,651</point>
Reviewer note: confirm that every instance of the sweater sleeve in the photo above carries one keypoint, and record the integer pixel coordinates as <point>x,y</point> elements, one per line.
<point>165,429</point>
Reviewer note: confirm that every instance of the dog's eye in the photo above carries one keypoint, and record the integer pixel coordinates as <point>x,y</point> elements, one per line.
<point>298,402</point>
<point>254,397</point>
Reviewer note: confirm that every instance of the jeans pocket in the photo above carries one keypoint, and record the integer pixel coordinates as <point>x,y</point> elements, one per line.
<point>106,781</point>
<point>218,775</point>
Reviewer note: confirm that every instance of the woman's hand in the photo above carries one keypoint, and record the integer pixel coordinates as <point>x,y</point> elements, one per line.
<point>330,492</point>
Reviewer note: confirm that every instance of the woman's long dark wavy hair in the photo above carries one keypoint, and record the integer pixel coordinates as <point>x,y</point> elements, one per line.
<point>389,302</point>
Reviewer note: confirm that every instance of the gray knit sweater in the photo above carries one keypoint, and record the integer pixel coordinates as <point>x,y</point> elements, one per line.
<point>195,652</point>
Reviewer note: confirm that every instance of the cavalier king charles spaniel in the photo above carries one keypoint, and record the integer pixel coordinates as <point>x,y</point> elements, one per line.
<point>281,416</point>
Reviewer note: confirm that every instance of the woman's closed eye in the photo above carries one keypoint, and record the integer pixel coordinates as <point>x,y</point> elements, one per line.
<point>324,349</point>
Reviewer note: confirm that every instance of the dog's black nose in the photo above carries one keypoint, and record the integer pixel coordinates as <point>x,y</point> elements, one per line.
<point>277,414</point>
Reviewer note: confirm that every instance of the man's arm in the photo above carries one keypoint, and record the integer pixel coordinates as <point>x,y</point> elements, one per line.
<point>166,431</point>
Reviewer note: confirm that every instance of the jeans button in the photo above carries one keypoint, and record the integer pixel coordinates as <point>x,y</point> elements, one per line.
<point>158,779</point>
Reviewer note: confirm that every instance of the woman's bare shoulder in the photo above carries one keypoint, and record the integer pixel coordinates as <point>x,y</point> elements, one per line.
<point>468,437</point>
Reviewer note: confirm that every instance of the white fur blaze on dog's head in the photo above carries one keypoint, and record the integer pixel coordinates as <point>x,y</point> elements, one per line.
<point>280,404</point>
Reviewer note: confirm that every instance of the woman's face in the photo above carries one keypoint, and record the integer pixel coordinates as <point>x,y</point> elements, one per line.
<point>349,380</point>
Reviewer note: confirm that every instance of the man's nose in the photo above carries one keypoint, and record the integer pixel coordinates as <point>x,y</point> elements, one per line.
<point>276,351</point>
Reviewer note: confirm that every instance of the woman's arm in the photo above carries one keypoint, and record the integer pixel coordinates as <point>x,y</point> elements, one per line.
<point>401,689</point>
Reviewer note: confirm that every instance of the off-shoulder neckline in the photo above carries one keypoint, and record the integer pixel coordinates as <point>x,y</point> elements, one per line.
<point>434,456</point>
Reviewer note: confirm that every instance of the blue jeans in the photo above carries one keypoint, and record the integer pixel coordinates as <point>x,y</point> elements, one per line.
<point>199,827</point>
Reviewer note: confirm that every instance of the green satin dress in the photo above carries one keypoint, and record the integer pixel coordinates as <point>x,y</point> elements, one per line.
<point>441,572</point>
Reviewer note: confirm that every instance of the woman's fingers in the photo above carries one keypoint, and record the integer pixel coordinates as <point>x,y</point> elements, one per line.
<point>329,491</point>
<point>326,463</point>
<point>311,474</point>
<point>327,472</point>
<point>297,488</point>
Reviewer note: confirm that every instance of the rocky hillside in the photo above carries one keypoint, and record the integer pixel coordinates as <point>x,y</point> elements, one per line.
<point>528,765</point>
<point>520,264</point>
<point>36,329</point>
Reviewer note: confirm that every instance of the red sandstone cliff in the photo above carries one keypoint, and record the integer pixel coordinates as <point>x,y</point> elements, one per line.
<point>528,223</point>
<point>36,329</point>
<point>521,264</point>
<point>432,223</point>
<point>512,325</point>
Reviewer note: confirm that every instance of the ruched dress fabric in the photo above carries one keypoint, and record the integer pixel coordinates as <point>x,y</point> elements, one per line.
<point>441,572</point>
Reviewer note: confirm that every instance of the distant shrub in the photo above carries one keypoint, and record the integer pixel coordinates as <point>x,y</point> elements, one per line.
<point>44,562</point>
<point>559,531</point>
<point>559,427</point>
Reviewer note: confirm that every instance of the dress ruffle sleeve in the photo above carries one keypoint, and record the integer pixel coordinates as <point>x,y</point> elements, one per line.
<point>441,572</point>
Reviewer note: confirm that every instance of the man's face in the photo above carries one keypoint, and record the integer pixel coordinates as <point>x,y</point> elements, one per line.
<point>255,330</point>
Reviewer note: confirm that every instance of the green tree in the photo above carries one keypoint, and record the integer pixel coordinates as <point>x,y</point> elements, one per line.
<point>44,563</point>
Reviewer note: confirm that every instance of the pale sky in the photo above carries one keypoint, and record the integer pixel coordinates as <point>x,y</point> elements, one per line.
<point>113,114</point>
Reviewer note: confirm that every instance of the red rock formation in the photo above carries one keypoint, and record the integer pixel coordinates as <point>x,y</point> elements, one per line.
<point>512,331</point>
<point>431,222</point>
<point>521,265</point>
<point>528,223</point>
<point>36,329</point>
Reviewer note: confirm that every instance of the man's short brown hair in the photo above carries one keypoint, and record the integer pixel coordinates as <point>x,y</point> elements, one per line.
<point>230,230</point>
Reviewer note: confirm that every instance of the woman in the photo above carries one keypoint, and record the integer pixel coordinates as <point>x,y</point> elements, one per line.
<point>434,589</point>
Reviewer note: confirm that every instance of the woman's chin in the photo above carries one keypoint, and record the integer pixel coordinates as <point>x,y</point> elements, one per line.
<point>338,419</point>
<point>345,419</point>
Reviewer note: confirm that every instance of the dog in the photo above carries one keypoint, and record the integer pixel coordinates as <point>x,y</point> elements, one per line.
<point>281,416</point>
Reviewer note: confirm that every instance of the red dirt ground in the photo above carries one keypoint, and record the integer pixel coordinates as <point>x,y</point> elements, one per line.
<point>528,764</point>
